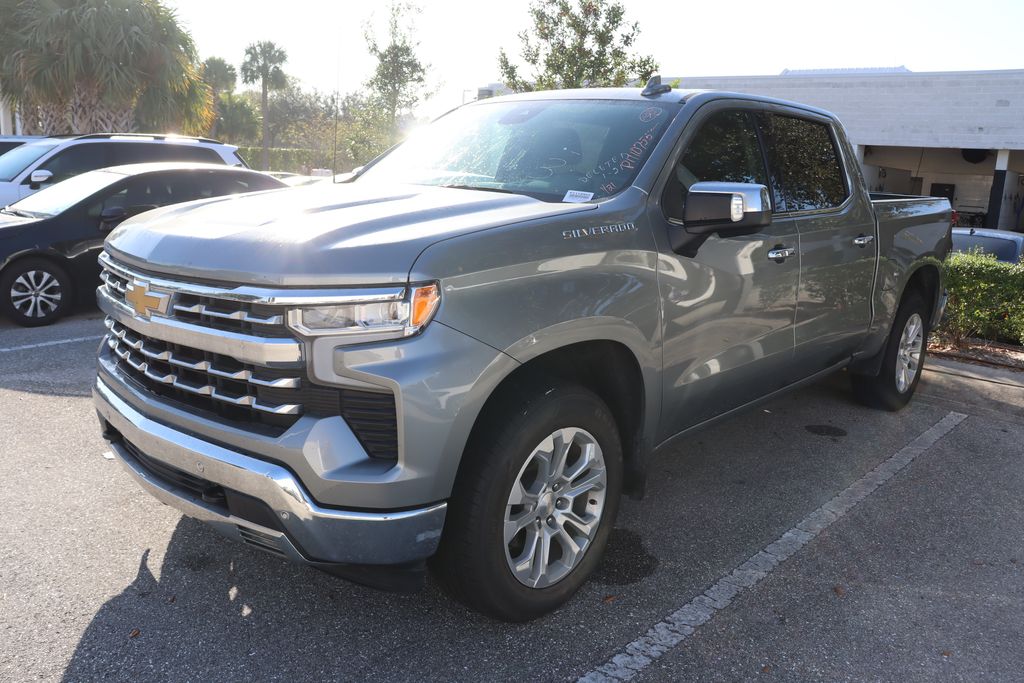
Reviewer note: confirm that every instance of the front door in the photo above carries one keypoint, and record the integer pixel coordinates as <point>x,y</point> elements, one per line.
<point>728,311</point>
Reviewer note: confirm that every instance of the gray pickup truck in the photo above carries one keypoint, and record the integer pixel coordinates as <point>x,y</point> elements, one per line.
<point>469,351</point>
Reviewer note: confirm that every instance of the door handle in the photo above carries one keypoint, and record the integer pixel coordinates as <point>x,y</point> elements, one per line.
<point>863,240</point>
<point>781,253</point>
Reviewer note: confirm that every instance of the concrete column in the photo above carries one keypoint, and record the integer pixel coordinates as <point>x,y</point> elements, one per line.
<point>995,195</point>
<point>6,124</point>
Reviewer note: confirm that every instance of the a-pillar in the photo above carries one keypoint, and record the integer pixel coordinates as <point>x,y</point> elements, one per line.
<point>995,195</point>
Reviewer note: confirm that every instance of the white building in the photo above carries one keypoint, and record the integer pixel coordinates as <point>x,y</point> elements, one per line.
<point>958,134</point>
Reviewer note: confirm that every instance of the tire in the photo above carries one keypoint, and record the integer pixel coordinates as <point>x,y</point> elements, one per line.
<point>475,560</point>
<point>889,389</point>
<point>35,292</point>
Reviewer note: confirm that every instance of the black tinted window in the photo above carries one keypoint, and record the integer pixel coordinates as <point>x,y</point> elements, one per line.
<point>725,149</point>
<point>76,159</point>
<point>216,183</point>
<point>806,171</point>
<point>7,146</point>
<point>142,152</point>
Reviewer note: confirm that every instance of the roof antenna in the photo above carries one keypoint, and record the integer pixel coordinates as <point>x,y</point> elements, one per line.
<point>655,86</point>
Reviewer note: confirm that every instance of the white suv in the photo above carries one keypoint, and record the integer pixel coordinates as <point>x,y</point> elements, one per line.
<point>39,163</point>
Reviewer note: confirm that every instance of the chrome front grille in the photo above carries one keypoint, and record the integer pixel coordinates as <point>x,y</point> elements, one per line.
<point>209,311</point>
<point>192,371</point>
<point>227,354</point>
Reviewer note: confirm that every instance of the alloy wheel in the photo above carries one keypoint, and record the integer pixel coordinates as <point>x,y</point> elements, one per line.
<point>908,357</point>
<point>554,509</point>
<point>36,294</point>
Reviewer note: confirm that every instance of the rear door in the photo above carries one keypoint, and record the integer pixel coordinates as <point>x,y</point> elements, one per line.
<point>728,311</point>
<point>836,226</point>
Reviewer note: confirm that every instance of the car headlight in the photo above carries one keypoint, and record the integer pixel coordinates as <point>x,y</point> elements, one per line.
<point>369,320</point>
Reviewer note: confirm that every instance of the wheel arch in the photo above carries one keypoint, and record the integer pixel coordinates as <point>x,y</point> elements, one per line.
<point>608,365</point>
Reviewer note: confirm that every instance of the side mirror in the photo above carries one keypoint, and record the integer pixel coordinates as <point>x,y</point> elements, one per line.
<point>38,178</point>
<point>727,209</point>
<point>111,217</point>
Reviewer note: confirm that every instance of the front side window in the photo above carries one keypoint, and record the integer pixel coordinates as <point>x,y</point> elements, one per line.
<point>18,159</point>
<point>554,150</point>
<point>806,168</point>
<point>76,160</point>
<point>725,149</point>
<point>56,199</point>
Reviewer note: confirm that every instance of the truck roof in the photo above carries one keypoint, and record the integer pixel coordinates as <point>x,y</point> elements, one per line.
<point>674,95</point>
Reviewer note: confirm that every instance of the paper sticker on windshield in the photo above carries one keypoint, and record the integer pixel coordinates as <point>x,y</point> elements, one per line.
<point>577,196</point>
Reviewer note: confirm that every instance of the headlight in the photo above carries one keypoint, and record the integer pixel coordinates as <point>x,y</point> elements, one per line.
<point>370,320</point>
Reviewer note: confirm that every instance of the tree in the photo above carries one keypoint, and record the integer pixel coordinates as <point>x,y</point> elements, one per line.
<point>263,61</point>
<point>84,66</point>
<point>221,77</point>
<point>399,79</point>
<point>238,121</point>
<point>585,44</point>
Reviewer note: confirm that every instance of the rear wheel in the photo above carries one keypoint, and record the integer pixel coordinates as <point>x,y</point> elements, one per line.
<point>35,292</point>
<point>902,361</point>
<point>533,508</point>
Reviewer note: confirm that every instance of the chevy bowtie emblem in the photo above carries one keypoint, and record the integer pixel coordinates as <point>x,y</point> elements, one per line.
<point>144,301</point>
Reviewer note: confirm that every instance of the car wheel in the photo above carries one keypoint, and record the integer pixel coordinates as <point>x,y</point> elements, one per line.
<point>902,362</point>
<point>534,504</point>
<point>35,292</point>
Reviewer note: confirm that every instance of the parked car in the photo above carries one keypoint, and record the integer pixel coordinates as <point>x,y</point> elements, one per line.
<point>41,163</point>
<point>9,142</point>
<point>1003,244</point>
<point>473,348</point>
<point>49,241</point>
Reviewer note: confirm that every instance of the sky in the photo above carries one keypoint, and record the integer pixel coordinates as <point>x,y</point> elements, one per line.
<point>460,39</point>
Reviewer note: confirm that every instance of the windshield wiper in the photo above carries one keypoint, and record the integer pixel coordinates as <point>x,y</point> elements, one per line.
<point>482,188</point>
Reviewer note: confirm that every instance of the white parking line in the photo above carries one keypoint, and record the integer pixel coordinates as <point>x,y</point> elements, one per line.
<point>12,349</point>
<point>678,626</point>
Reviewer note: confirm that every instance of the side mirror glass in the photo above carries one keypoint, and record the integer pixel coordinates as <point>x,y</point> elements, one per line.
<point>727,209</point>
<point>111,216</point>
<point>39,177</point>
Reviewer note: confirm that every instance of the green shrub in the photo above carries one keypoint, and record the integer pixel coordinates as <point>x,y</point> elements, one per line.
<point>986,299</point>
<point>292,160</point>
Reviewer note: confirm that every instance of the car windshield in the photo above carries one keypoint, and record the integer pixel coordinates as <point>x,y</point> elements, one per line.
<point>554,150</point>
<point>18,159</point>
<point>60,197</point>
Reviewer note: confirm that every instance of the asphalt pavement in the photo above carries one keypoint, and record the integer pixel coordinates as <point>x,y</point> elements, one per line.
<point>921,579</point>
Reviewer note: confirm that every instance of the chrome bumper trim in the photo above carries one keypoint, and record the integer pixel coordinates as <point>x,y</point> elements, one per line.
<point>243,347</point>
<point>313,534</point>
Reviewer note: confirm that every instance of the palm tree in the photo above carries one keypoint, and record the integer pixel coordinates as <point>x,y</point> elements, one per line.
<point>221,78</point>
<point>262,64</point>
<point>85,65</point>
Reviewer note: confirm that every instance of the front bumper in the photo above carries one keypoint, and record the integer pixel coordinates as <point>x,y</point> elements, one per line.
<point>280,516</point>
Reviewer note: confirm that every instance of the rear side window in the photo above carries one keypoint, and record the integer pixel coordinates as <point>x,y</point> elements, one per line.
<point>217,183</point>
<point>725,149</point>
<point>143,152</point>
<point>806,170</point>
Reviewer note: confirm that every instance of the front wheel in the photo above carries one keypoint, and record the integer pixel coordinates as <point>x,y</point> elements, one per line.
<point>902,362</point>
<point>535,504</point>
<point>35,292</point>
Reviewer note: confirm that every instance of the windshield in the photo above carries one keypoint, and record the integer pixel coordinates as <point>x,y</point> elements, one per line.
<point>62,196</point>
<point>18,159</point>
<point>555,150</point>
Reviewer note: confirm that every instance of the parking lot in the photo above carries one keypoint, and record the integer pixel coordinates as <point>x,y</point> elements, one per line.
<point>914,572</point>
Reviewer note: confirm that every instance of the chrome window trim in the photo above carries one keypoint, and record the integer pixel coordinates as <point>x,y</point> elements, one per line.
<point>261,295</point>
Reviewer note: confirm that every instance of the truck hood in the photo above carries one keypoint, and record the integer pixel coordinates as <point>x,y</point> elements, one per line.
<point>321,235</point>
